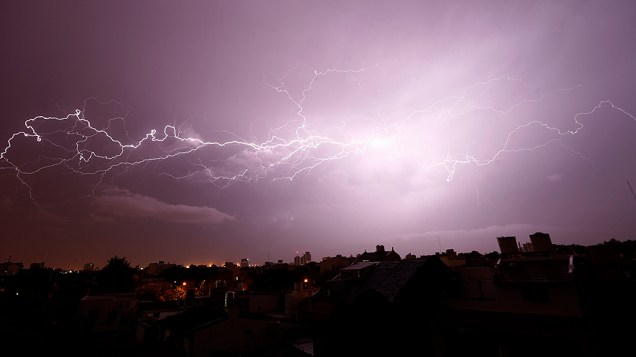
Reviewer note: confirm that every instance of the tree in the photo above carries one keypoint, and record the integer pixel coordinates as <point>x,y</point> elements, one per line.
<point>116,277</point>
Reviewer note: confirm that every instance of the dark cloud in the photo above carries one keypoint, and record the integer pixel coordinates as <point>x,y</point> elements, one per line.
<point>126,204</point>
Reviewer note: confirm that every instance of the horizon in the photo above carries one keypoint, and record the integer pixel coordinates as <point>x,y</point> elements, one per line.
<point>134,264</point>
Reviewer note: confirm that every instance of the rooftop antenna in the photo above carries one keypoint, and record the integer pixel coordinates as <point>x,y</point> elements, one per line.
<point>631,189</point>
<point>439,243</point>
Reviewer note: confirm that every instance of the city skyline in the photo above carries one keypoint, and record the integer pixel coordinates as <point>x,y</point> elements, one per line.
<point>216,131</point>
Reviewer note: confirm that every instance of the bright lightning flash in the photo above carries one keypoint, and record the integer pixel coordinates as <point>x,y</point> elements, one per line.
<point>74,145</point>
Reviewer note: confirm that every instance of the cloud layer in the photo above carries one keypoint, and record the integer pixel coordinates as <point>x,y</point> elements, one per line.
<point>126,204</point>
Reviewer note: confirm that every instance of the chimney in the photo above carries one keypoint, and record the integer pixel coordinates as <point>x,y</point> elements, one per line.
<point>379,248</point>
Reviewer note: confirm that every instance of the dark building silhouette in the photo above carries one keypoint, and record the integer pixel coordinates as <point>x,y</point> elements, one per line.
<point>508,245</point>
<point>10,268</point>
<point>383,308</point>
<point>330,266</point>
<point>380,255</point>
<point>542,300</point>
<point>541,242</point>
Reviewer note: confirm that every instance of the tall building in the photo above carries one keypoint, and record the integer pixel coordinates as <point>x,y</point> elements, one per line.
<point>245,263</point>
<point>302,260</point>
<point>38,265</point>
<point>541,242</point>
<point>508,245</point>
<point>306,258</point>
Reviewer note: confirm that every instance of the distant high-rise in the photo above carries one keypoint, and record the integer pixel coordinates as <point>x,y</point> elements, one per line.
<point>306,258</point>
<point>508,245</point>
<point>157,268</point>
<point>89,267</point>
<point>245,263</point>
<point>527,248</point>
<point>38,265</point>
<point>541,242</point>
<point>302,260</point>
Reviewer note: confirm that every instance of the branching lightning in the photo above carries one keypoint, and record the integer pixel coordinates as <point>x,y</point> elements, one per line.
<point>450,163</point>
<point>74,145</point>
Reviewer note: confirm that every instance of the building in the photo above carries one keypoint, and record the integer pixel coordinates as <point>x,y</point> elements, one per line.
<point>10,268</point>
<point>305,259</point>
<point>108,312</point>
<point>451,259</point>
<point>533,302</point>
<point>302,260</point>
<point>200,332</point>
<point>330,266</point>
<point>541,242</point>
<point>508,245</point>
<point>410,256</point>
<point>302,291</point>
<point>380,255</point>
<point>377,308</point>
<point>154,269</point>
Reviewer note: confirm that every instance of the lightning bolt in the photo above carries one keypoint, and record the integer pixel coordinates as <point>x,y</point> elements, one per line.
<point>72,144</point>
<point>450,163</point>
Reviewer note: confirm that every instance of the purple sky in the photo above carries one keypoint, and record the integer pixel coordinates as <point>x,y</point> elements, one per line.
<point>321,126</point>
